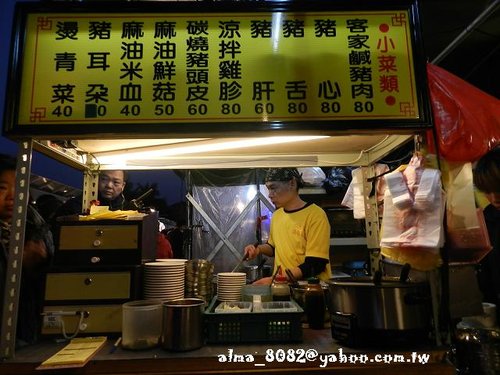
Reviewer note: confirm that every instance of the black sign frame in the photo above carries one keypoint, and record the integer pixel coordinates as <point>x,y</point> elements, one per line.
<point>12,129</point>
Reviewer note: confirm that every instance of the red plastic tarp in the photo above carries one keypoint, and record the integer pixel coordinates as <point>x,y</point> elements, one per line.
<point>467,120</point>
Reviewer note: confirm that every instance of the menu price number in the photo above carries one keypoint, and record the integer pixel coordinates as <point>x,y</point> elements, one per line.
<point>131,110</point>
<point>164,109</point>
<point>300,107</point>
<point>62,111</point>
<point>231,109</point>
<point>363,107</point>
<point>330,107</point>
<point>95,110</point>
<point>197,109</point>
<point>264,108</point>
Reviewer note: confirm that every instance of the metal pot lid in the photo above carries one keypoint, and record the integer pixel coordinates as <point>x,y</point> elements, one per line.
<point>367,281</point>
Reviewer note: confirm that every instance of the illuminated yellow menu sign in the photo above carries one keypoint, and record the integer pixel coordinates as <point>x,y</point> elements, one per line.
<point>224,67</point>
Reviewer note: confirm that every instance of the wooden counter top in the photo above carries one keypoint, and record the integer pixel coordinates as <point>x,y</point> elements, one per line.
<point>247,358</point>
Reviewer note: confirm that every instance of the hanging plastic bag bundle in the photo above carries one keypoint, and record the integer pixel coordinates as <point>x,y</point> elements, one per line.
<point>412,226</point>
<point>468,238</point>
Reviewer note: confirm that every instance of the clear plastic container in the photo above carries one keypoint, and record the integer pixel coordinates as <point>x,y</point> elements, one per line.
<point>233,307</point>
<point>279,306</point>
<point>248,292</point>
<point>141,324</point>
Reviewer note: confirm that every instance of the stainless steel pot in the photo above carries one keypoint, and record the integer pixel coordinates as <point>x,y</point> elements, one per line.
<point>254,272</point>
<point>183,324</point>
<point>386,304</point>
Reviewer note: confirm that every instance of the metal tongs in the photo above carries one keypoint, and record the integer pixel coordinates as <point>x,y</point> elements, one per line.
<point>240,263</point>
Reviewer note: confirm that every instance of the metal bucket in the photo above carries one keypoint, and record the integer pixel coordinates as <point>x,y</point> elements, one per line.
<point>183,324</point>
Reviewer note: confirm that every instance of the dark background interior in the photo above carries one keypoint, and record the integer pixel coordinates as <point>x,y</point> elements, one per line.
<point>475,56</point>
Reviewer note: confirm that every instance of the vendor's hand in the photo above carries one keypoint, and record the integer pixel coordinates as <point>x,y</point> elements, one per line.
<point>263,281</point>
<point>251,251</point>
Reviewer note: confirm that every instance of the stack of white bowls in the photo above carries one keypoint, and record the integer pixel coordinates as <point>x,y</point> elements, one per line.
<point>229,285</point>
<point>164,279</point>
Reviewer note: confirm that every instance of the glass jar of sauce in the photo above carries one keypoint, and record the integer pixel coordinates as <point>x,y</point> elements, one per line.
<point>314,304</point>
<point>280,289</point>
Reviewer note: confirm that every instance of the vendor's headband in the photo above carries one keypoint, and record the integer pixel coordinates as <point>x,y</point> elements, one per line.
<point>283,174</point>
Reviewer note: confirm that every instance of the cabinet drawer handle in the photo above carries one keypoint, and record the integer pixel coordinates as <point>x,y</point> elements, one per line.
<point>95,260</point>
<point>97,243</point>
<point>88,281</point>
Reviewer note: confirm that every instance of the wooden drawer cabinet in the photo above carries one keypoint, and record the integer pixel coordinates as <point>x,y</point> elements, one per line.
<point>88,286</point>
<point>106,242</point>
<point>99,237</point>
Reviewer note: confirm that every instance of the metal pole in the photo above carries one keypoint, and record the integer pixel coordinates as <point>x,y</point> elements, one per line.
<point>90,184</point>
<point>468,29</point>
<point>16,248</point>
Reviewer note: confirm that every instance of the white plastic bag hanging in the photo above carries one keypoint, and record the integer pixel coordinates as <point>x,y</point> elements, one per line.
<point>313,176</point>
<point>354,197</point>
<point>416,225</point>
<point>466,228</point>
<point>413,207</point>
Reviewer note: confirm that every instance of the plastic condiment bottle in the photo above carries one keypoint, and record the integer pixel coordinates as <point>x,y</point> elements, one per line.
<point>280,289</point>
<point>314,304</point>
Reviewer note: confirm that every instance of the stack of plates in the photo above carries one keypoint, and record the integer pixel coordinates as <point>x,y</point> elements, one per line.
<point>199,274</point>
<point>172,260</point>
<point>229,285</point>
<point>164,280</point>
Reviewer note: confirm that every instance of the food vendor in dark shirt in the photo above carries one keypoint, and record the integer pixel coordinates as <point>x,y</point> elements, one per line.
<point>110,193</point>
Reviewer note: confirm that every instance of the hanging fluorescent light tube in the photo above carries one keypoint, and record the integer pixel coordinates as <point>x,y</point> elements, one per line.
<point>120,158</point>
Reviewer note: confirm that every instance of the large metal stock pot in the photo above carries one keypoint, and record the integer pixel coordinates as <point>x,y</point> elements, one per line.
<point>386,304</point>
